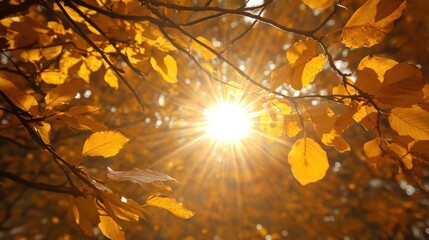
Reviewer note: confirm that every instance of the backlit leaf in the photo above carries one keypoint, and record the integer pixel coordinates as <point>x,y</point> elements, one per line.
<point>110,228</point>
<point>308,161</point>
<point>111,79</point>
<point>121,207</point>
<point>167,69</point>
<point>16,95</point>
<point>42,129</point>
<point>205,53</point>
<point>104,144</point>
<point>410,121</point>
<point>84,213</point>
<point>53,76</point>
<point>171,205</point>
<point>366,116</point>
<point>322,4</point>
<point>402,87</point>
<point>371,22</point>
<point>51,52</point>
<point>304,65</point>
<point>63,93</point>
<point>94,63</point>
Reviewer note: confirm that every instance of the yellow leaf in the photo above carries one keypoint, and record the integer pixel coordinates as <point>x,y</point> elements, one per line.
<point>282,106</point>
<point>110,228</point>
<point>84,213</point>
<point>94,63</point>
<point>402,87</point>
<point>372,148</point>
<point>167,69</point>
<point>335,140</point>
<point>43,130</point>
<point>18,97</point>
<point>410,121</point>
<point>171,205</point>
<point>104,144</point>
<point>205,53</point>
<point>292,125</point>
<point>341,90</point>
<point>402,154</point>
<point>308,161</point>
<point>366,116</point>
<point>84,73</point>
<point>119,207</point>
<point>301,52</point>
<point>51,52</point>
<point>63,93</point>
<point>304,65</point>
<point>32,55</point>
<point>69,63</point>
<point>371,22</point>
<point>111,79</point>
<point>322,4</point>
<point>53,76</point>
<point>271,125</point>
<point>377,63</point>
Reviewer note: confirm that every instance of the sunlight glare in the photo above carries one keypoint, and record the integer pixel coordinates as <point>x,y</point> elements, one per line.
<point>228,122</point>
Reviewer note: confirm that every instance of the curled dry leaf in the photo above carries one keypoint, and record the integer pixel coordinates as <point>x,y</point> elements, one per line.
<point>148,179</point>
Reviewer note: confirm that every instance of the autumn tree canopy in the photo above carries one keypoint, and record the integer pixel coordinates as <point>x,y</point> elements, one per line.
<point>107,111</point>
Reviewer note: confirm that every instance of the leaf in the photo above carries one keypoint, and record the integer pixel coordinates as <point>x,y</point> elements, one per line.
<point>341,90</point>
<point>53,76</point>
<point>371,22</point>
<point>167,69</point>
<point>282,106</point>
<point>402,87</point>
<point>63,93</point>
<point>111,79</point>
<point>146,178</point>
<point>18,97</point>
<point>110,228</point>
<point>402,154</point>
<point>322,4</point>
<point>204,52</point>
<point>292,125</point>
<point>304,65</point>
<point>42,129</point>
<point>308,161</point>
<point>171,205</point>
<point>271,125</point>
<point>410,121</point>
<point>104,144</point>
<point>366,116</point>
<point>372,148</point>
<point>94,63</point>
<point>51,52</point>
<point>84,213</point>
<point>377,63</point>
<point>121,207</point>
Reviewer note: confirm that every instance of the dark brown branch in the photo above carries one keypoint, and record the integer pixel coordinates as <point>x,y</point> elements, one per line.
<point>40,186</point>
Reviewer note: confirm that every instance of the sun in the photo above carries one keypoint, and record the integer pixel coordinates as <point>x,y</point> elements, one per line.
<point>228,122</point>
